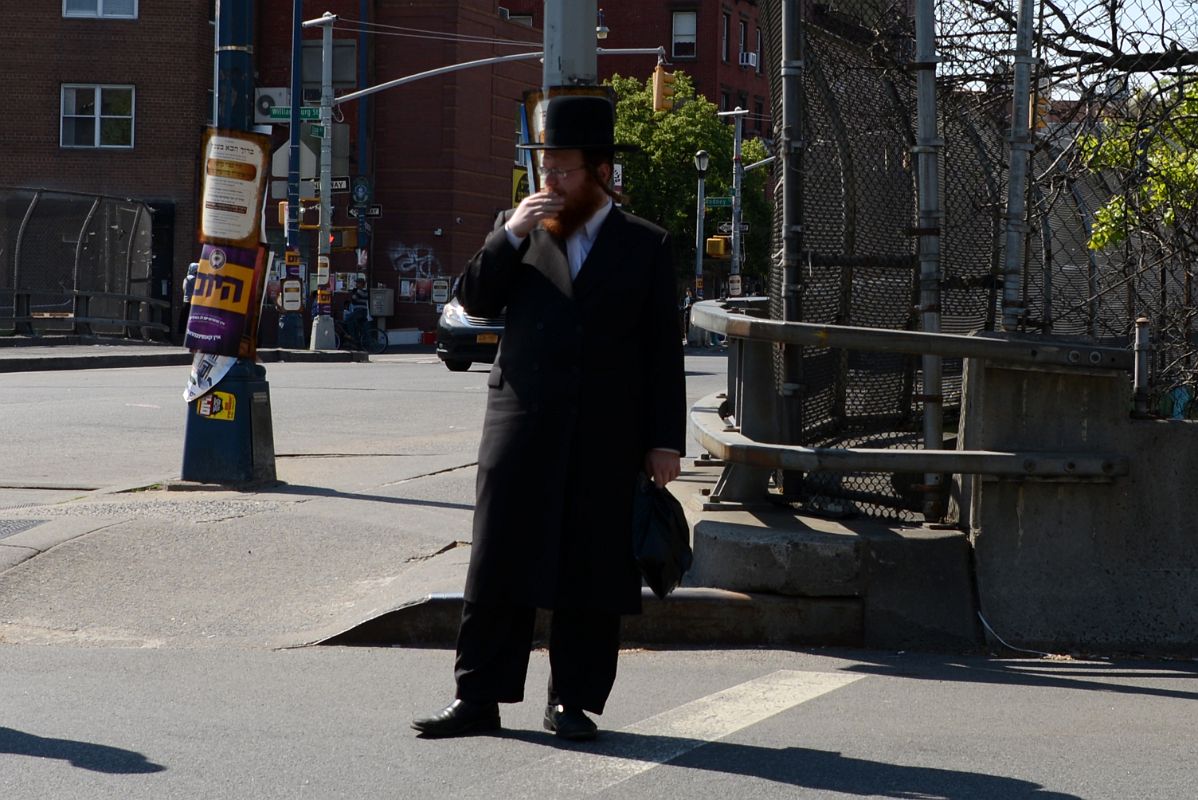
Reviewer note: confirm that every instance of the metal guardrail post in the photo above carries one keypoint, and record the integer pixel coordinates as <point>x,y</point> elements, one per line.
<point>1141,375</point>
<point>756,417</point>
<point>927,152</point>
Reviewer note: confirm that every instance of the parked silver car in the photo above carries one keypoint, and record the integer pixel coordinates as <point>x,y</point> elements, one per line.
<point>463,339</point>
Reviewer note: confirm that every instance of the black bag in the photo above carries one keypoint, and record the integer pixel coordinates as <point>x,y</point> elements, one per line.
<point>660,536</point>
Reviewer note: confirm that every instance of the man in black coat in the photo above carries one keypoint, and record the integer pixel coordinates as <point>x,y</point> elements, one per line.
<point>587,389</point>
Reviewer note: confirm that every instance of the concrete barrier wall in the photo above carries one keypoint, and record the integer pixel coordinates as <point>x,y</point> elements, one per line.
<point>1083,566</point>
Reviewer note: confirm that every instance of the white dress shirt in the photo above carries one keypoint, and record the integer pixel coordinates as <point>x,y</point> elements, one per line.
<point>578,245</point>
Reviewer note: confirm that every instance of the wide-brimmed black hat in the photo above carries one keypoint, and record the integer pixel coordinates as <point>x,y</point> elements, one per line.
<point>578,122</point>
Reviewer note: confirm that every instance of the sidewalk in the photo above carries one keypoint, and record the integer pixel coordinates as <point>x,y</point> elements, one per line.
<point>373,548</point>
<point>32,354</point>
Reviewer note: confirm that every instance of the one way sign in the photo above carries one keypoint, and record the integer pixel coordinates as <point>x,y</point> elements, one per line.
<point>725,228</point>
<point>366,211</point>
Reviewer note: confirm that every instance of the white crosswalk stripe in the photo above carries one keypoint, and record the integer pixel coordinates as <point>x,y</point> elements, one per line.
<point>666,736</point>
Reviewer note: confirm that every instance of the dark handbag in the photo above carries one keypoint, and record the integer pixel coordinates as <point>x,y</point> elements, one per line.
<point>661,537</point>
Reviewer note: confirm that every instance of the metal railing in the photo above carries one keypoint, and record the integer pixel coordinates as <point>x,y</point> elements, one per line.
<point>72,313</point>
<point>741,427</point>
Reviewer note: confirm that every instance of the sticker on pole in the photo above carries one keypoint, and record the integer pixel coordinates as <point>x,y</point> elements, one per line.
<point>217,405</point>
<point>207,370</point>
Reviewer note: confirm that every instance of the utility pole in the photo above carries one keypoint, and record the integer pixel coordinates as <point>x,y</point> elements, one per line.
<point>238,446</point>
<point>291,325</point>
<point>738,173</point>
<point>569,44</point>
<point>323,336</point>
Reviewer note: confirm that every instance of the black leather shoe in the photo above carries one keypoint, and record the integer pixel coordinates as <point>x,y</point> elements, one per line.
<point>459,718</point>
<point>570,723</point>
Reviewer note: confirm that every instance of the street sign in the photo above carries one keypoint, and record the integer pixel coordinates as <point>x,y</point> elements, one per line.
<point>317,131</point>
<point>734,285</point>
<point>718,202</point>
<point>341,185</point>
<point>366,211</point>
<point>725,228</point>
<point>440,290</point>
<point>284,112</point>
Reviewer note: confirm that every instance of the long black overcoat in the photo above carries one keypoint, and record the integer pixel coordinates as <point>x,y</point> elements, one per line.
<point>588,378</point>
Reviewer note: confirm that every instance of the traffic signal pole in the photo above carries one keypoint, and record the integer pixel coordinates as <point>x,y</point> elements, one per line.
<point>323,336</point>
<point>291,323</point>
<point>738,173</point>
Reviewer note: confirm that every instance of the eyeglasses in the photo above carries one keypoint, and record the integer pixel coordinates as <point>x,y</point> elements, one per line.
<point>555,172</point>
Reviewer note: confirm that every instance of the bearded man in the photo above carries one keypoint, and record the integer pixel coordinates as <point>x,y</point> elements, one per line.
<point>587,389</point>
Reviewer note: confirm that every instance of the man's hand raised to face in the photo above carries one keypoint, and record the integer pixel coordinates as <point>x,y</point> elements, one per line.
<point>532,209</point>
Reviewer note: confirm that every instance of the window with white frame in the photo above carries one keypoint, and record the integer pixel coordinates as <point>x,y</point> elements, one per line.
<point>684,34</point>
<point>744,37</point>
<point>727,21</point>
<point>115,9</point>
<point>760,62</point>
<point>97,116</point>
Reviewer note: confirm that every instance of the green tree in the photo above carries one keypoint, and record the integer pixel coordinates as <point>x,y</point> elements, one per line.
<point>660,179</point>
<point>1153,156</point>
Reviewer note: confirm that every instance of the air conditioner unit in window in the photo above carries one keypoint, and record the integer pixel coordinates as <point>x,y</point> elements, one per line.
<point>267,98</point>
<point>748,60</point>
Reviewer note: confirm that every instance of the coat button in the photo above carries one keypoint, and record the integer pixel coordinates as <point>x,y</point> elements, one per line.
<point>540,326</point>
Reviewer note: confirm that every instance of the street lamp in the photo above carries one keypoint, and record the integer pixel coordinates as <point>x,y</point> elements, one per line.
<point>601,29</point>
<point>701,162</point>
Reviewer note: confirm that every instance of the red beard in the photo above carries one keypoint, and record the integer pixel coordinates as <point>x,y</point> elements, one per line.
<point>578,208</point>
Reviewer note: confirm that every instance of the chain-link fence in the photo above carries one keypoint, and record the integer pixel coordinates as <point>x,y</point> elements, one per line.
<point>76,263</point>
<point>1111,199</point>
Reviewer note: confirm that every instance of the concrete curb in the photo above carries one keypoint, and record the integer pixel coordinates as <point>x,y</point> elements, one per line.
<point>687,617</point>
<point>170,357</point>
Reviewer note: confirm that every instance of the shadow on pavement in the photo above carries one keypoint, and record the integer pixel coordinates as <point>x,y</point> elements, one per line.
<point>803,767</point>
<point>1062,674</point>
<point>324,491</point>
<point>85,755</point>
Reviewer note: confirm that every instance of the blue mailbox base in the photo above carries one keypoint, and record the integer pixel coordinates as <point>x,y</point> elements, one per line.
<point>229,438</point>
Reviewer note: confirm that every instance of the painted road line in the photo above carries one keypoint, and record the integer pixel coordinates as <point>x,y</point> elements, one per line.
<point>640,747</point>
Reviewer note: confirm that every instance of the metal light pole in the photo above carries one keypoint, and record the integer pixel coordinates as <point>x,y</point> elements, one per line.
<point>569,44</point>
<point>738,173</point>
<point>323,337</point>
<point>291,324</point>
<point>701,162</point>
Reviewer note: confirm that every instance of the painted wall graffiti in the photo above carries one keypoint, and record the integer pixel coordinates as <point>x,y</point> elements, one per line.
<point>416,262</point>
<point>415,266</point>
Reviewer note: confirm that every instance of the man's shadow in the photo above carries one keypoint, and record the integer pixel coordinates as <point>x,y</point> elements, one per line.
<point>803,767</point>
<point>85,755</point>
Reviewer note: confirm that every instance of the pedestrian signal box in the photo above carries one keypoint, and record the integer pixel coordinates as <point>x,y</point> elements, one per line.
<point>717,247</point>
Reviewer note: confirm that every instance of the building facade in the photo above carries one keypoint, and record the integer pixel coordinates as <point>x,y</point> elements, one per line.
<point>113,97</point>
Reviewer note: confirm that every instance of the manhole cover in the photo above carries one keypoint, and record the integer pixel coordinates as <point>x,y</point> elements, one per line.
<point>10,526</point>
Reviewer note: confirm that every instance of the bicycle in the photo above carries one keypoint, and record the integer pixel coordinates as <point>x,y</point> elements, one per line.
<point>373,340</point>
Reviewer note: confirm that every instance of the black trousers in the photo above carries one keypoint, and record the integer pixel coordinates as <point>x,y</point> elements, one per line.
<point>494,643</point>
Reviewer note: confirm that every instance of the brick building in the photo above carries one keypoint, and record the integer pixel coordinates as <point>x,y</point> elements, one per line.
<point>718,43</point>
<point>110,98</point>
<point>439,152</point>
<point>114,96</point>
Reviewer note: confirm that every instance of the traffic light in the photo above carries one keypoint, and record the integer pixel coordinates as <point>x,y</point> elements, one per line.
<point>343,237</point>
<point>663,89</point>
<point>717,247</point>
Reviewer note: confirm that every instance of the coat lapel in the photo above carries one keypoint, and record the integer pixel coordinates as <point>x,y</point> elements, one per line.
<point>603,256</point>
<point>548,256</point>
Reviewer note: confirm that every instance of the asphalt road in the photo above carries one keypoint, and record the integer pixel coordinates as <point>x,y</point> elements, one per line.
<point>135,661</point>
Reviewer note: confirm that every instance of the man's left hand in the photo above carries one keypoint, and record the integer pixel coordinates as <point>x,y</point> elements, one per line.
<point>662,466</point>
